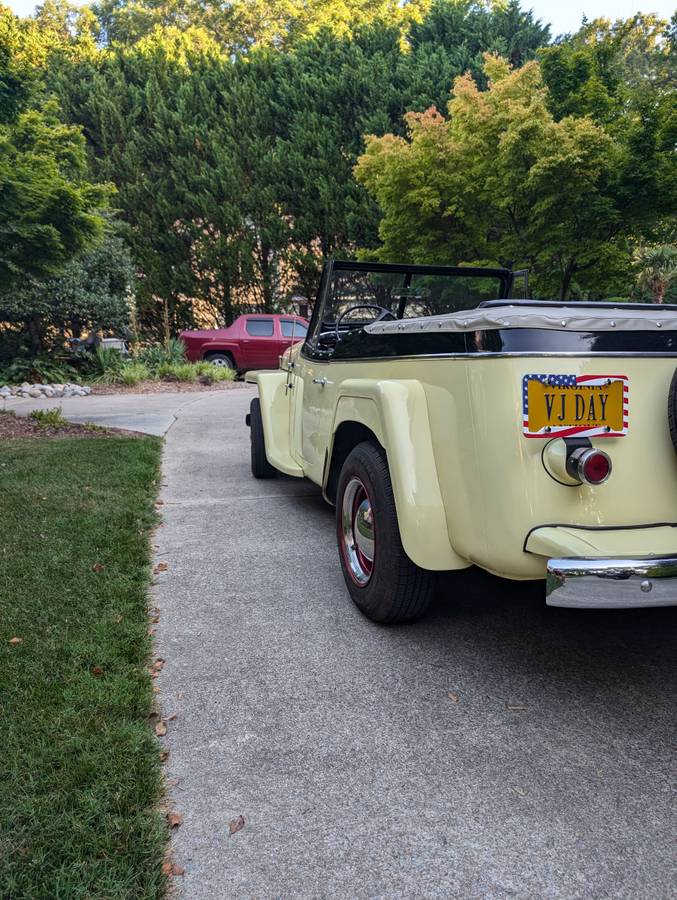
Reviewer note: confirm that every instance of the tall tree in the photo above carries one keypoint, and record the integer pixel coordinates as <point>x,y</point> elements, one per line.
<point>658,270</point>
<point>48,207</point>
<point>500,180</point>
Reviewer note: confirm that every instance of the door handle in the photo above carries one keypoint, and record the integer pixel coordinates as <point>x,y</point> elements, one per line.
<point>320,381</point>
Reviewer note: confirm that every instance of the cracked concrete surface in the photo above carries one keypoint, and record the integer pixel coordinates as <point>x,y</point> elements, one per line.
<point>337,740</point>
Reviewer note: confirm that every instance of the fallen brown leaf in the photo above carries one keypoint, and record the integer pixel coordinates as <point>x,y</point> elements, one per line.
<point>151,631</point>
<point>160,567</point>
<point>164,756</point>
<point>179,695</point>
<point>96,670</point>
<point>169,718</point>
<point>453,697</point>
<point>16,640</point>
<point>155,619</point>
<point>160,729</point>
<point>97,567</point>
<point>159,502</point>
<point>158,664</point>
<point>236,825</point>
<point>515,707</point>
<point>169,868</point>
<point>175,819</point>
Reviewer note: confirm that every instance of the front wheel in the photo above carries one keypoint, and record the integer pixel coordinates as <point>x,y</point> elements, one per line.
<point>381,579</point>
<point>261,468</point>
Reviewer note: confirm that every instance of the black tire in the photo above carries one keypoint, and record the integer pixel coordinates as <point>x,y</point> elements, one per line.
<point>261,468</point>
<point>221,359</point>
<point>672,410</point>
<point>397,590</point>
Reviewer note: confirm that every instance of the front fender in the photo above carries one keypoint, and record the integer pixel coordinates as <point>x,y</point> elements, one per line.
<point>397,413</point>
<point>275,401</point>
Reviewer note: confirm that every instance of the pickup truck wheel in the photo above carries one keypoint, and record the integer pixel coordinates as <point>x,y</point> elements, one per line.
<point>221,359</point>
<point>261,468</point>
<point>383,582</point>
<point>672,410</point>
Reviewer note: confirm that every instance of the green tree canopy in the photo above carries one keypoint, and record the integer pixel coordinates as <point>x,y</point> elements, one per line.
<point>93,292</point>
<point>501,180</point>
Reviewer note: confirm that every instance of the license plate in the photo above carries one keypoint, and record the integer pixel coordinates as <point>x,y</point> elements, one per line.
<point>585,405</point>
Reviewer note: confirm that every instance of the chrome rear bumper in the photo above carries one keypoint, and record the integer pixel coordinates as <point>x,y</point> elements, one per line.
<point>612,583</point>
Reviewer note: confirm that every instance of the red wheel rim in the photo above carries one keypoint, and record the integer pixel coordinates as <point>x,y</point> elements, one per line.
<point>356,535</point>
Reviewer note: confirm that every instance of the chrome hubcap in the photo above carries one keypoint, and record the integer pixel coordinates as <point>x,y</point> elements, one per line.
<point>357,531</point>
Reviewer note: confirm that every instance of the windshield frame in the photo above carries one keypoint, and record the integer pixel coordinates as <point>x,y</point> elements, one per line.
<point>504,276</point>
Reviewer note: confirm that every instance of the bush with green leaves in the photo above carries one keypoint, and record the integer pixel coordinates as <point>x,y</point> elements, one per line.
<point>133,373</point>
<point>157,355</point>
<point>214,373</point>
<point>49,418</point>
<point>42,370</point>
<point>107,365</point>
<point>177,372</point>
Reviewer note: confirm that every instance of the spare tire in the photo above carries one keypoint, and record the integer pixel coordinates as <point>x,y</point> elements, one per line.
<point>672,410</point>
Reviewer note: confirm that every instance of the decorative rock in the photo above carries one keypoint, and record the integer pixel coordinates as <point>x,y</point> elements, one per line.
<point>36,391</point>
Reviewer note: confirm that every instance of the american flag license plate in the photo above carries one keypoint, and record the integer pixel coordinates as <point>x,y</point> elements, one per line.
<point>584,405</point>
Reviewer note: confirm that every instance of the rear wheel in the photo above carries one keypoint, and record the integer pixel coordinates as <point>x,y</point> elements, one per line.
<point>381,579</point>
<point>221,359</point>
<point>261,468</point>
<point>672,410</point>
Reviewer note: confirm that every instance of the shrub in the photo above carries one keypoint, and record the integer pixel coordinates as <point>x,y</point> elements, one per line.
<point>41,370</point>
<point>157,355</point>
<point>107,364</point>
<point>215,373</point>
<point>177,372</point>
<point>49,417</point>
<point>133,373</point>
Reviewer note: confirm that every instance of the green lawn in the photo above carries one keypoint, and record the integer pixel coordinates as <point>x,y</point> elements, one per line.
<point>80,775</point>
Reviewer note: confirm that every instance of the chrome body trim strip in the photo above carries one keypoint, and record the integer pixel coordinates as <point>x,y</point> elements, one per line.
<point>487,354</point>
<point>612,583</point>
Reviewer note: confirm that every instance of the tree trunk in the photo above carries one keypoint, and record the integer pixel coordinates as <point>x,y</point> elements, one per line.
<point>565,285</point>
<point>36,335</point>
<point>658,291</point>
<point>165,321</point>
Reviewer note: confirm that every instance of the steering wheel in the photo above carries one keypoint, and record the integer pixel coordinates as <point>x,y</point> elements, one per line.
<point>383,314</point>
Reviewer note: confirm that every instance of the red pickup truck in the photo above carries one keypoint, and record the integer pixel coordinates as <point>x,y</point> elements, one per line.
<point>254,341</point>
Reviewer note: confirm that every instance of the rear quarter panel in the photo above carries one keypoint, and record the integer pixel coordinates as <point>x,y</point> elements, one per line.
<point>492,482</point>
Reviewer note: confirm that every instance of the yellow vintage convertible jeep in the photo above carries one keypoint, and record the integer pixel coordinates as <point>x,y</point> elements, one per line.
<point>452,427</point>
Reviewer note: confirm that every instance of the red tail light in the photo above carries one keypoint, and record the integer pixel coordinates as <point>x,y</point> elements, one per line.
<point>589,465</point>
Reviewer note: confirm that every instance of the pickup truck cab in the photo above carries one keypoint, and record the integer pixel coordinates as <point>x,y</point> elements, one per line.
<point>254,341</point>
<point>452,426</point>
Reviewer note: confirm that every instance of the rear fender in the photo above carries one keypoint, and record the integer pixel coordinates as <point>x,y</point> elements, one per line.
<point>275,401</point>
<point>231,348</point>
<point>396,413</point>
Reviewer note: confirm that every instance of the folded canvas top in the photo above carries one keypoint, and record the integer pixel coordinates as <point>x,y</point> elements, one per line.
<point>574,317</point>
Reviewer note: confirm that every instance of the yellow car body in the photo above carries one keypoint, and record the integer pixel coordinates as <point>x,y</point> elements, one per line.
<point>470,486</point>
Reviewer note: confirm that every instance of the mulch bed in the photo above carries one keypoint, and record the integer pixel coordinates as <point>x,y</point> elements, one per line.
<point>12,426</point>
<point>165,387</point>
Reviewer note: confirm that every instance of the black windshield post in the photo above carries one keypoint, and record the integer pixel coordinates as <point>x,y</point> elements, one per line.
<point>403,299</point>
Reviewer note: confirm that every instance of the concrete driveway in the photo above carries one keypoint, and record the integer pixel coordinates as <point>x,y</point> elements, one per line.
<point>147,413</point>
<point>497,749</point>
